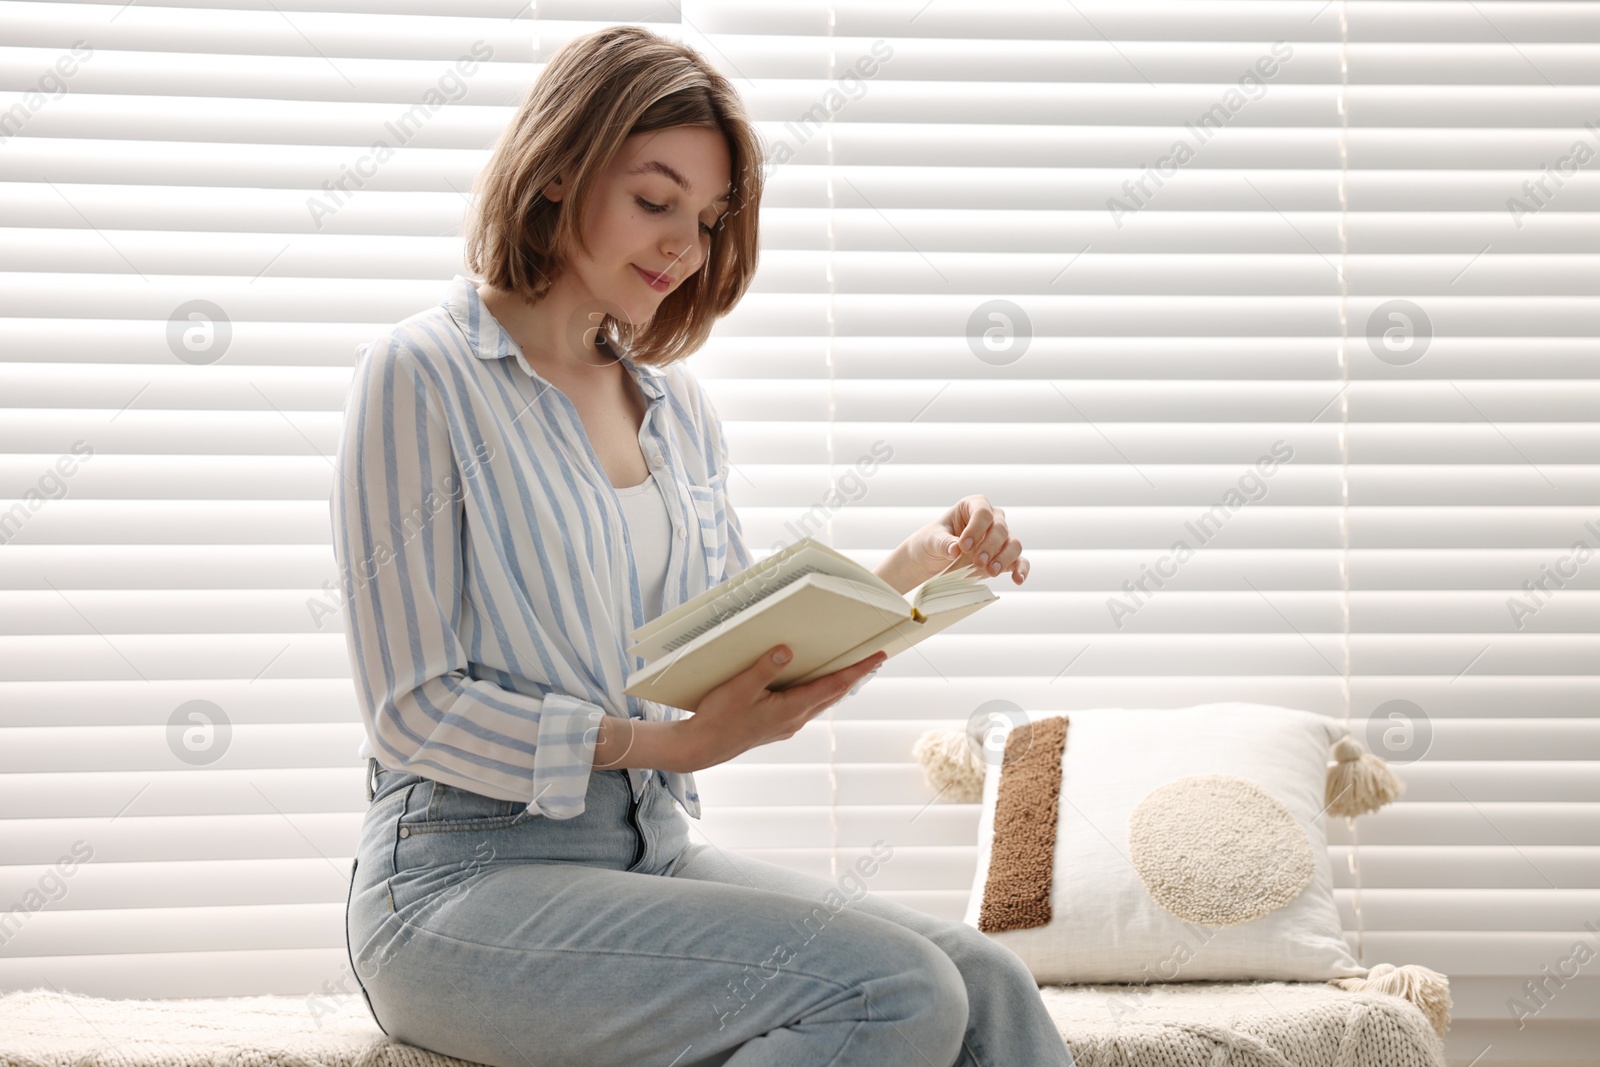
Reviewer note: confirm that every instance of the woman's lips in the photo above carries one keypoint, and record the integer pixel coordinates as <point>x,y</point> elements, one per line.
<point>650,280</point>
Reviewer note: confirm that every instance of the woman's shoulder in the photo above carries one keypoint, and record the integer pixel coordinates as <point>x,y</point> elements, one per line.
<point>424,344</point>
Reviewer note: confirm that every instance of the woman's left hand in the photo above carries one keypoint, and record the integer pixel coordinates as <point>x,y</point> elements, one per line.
<point>972,531</point>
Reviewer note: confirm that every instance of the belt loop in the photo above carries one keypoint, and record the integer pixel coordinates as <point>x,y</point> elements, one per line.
<point>372,773</point>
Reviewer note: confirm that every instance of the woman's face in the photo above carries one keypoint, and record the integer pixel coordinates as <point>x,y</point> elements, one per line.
<point>641,223</point>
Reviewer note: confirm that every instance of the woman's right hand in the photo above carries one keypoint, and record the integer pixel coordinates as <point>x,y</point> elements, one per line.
<point>742,712</point>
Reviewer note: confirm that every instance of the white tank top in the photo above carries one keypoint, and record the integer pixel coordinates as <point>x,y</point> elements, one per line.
<point>650,532</point>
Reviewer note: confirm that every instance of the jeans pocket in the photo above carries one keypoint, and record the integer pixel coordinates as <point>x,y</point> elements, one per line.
<point>435,807</point>
<point>444,836</point>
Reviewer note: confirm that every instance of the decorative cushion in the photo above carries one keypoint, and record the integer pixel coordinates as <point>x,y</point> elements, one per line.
<point>1255,859</point>
<point>1159,845</point>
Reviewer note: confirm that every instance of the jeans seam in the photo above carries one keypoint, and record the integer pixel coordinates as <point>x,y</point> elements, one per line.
<point>617,952</point>
<point>456,826</point>
<point>859,1024</point>
<point>349,951</point>
<point>394,846</point>
<point>435,797</point>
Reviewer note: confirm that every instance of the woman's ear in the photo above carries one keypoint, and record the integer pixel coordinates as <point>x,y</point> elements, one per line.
<point>555,189</point>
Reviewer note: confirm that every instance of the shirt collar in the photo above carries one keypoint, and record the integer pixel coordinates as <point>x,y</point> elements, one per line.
<point>488,340</point>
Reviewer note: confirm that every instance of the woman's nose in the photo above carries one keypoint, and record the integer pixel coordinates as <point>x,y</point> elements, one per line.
<point>686,255</point>
<point>686,262</point>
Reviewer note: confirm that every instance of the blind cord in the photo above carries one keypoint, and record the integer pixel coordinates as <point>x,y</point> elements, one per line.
<point>1352,858</point>
<point>833,737</point>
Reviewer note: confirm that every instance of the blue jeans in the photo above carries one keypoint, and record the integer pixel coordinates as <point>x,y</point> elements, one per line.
<point>521,941</point>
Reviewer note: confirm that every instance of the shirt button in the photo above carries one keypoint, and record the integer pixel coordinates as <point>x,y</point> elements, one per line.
<point>682,533</point>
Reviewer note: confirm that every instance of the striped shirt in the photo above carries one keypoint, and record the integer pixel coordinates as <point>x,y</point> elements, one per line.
<point>488,578</point>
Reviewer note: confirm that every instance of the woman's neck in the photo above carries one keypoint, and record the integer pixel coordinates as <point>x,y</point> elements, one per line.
<point>541,332</point>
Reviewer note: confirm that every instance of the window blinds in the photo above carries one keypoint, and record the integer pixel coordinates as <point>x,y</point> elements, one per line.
<point>1304,287</point>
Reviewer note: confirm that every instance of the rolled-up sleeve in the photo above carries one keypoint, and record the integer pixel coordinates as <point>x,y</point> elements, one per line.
<point>396,510</point>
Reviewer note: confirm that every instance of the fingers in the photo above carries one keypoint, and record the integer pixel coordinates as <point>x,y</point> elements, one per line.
<point>819,693</point>
<point>976,532</point>
<point>761,673</point>
<point>1004,559</point>
<point>985,534</point>
<point>993,551</point>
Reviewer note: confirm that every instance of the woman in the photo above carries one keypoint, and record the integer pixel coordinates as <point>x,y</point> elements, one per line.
<point>527,474</point>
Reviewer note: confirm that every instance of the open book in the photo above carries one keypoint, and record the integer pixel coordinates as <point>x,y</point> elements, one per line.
<point>827,608</point>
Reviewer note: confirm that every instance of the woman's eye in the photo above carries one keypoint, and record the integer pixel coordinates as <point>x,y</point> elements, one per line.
<point>656,209</point>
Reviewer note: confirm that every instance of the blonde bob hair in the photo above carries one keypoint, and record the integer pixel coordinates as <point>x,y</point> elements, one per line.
<point>596,91</point>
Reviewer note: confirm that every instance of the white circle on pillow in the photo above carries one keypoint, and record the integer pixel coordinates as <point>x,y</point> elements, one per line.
<point>1218,850</point>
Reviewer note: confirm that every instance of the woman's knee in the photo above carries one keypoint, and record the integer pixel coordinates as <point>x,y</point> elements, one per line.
<point>947,992</point>
<point>926,996</point>
<point>984,961</point>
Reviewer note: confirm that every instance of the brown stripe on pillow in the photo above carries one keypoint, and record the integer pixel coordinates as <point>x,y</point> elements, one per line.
<point>1016,894</point>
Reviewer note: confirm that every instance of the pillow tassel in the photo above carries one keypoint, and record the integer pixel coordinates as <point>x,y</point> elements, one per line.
<point>949,764</point>
<point>1358,781</point>
<point>1428,990</point>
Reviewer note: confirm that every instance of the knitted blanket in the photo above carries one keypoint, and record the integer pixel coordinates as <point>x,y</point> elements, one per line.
<point>1219,1025</point>
<point>1244,1024</point>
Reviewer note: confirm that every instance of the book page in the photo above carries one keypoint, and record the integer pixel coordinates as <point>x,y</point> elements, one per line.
<point>957,582</point>
<point>684,623</point>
